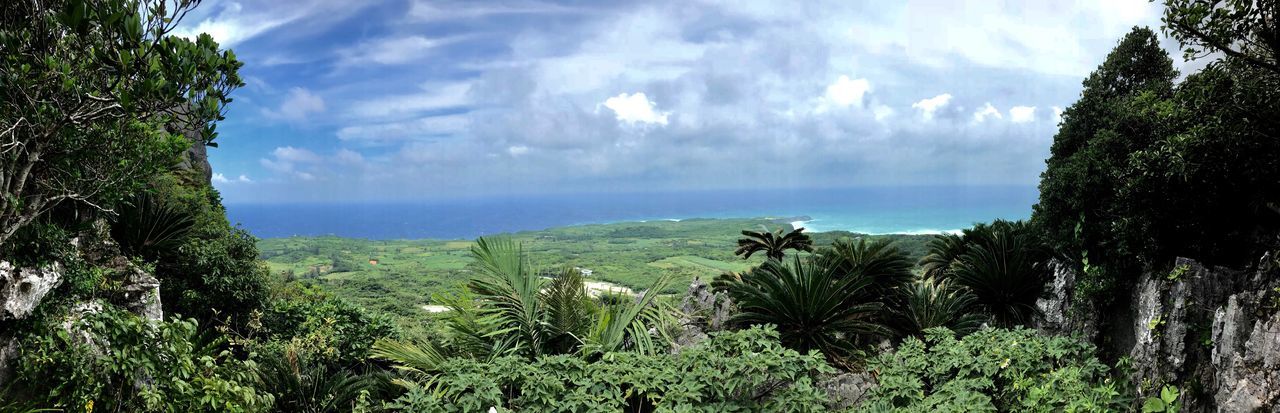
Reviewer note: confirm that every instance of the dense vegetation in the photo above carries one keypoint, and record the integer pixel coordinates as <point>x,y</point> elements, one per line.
<point>103,105</point>
<point>1145,168</point>
<point>633,255</point>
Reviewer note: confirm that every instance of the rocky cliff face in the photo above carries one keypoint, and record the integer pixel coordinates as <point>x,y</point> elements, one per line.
<point>1212,332</point>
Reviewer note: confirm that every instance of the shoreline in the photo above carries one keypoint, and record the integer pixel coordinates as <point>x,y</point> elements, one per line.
<point>798,221</point>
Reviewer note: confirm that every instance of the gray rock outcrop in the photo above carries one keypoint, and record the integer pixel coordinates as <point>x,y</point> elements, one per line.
<point>22,289</point>
<point>1213,332</point>
<point>703,310</point>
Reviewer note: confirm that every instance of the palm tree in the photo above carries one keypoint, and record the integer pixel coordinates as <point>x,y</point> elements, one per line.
<point>814,306</point>
<point>930,303</point>
<point>774,244</point>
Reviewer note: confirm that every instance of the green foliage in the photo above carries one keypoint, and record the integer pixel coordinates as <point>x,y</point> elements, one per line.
<point>1207,26</point>
<point>992,370</point>
<point>732,371</point>
<point>116,361</point>
<point>510,308</point>
<point>814,304</point>
<point>302,385</point>
<point>774,244</point>
<point>931,303</point>
<point>410,272</point>
<point>151,227</point>
<point>325,330</point>
<point>1004,265</point>
<point>87,89</point>
<point>1167,402</point>
<point>1112,119</point>
<point>214,275</point>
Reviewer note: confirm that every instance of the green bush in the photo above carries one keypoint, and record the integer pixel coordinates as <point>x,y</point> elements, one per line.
<point>330,330</point>
<point>116,361</point>
<point>733,371</point>
<point>993,370</point>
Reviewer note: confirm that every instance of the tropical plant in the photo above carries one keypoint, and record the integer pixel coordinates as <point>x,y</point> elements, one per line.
<point>301,385</point>
<point>149,226</point>
<point>888,268</point>
<point>88,90</point>
<point>731,371</point>
<point>944,251</point>
<point>774,244</point>
<point>509,308</point>
<point>113,360</point>
<point>1003,264</point>
<point>814,306</point>
<point>993,370</point>
<point>930,303</point>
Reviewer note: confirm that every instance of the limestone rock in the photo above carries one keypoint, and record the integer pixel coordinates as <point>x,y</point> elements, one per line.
<point>22,289</point>
<point>702,311</point>
<point>1057,315</point>
<point>846,390</point>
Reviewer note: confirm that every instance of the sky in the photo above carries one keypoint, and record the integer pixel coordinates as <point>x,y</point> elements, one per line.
<point>417,99</point>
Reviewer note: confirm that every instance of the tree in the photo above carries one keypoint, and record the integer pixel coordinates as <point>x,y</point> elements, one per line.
<point>1119,112</point>
<point>1247,30</point>
<point>88,92</point>
<point>774,244</point>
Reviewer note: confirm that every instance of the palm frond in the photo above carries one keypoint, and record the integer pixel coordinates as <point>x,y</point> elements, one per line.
<point>408,357</point>
<point>631,325</point>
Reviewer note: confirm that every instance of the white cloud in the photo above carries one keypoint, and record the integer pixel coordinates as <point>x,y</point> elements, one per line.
<point>348,157</point>
<point>410,129</point>
<point>882,112</point>
<point>928,106</point>
<point>1057,115</point>
<point>986,112</point>
<point>846,92</point>
<point>434,11</point>
<point>233,22</point>
<point>517,150</point>
<point>392,50</point>
<point>1022,114</point>
<point>292,154</point>
<point>296,106</point>
<point>222,179</point>
<point>635,108</point>
<point>431,97</point>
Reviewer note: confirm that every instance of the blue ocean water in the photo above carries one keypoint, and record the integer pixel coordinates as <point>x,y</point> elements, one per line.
<point>866,210</point>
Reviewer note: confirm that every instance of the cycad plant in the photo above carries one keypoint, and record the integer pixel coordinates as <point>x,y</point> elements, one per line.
<point>930,303</point>
<point>774,244</point>
<point>1003,264</point>
<point>149,226</point>
<point>888,267</point>
<point>510,308</point>
<point>300,385</point>
<point>813,305</point>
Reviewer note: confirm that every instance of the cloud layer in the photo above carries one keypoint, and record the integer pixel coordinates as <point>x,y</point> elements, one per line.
<point>427,99</point>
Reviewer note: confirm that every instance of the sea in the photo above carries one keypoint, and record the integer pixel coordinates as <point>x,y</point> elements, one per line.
<point>879,210</point>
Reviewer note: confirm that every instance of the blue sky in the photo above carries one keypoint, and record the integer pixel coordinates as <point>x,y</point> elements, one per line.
<point>416,99</point>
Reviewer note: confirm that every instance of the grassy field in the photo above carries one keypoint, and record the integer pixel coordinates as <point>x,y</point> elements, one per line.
<point>630,254</point>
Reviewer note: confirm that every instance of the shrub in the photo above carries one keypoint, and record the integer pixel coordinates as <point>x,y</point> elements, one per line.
<point>993,370</point>
<point>1004,265</point>
<point>329,330</point>
<point>116,361</point>
<point>732,371</point>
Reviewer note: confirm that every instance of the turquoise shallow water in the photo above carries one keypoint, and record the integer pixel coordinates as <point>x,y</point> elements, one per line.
<point>867,210</point>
